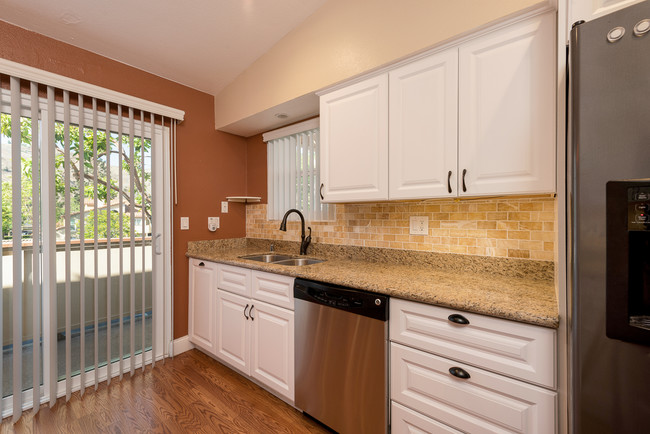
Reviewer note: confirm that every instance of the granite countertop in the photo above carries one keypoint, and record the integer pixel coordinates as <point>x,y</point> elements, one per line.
<point>521,291</point>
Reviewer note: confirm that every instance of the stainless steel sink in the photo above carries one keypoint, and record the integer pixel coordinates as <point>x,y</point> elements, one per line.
<point>299,261</point>
<point>272,257</point>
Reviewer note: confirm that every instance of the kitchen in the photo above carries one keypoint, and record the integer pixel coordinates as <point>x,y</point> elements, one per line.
<point>483,233</point>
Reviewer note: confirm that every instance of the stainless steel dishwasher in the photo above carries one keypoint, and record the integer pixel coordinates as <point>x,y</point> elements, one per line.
<point>342,356</point>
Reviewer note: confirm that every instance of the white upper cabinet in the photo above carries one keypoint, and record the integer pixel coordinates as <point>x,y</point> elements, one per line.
<point>354,142</point>
<point>475,119</point>
<point>423,127</point>
<point>507,110</point>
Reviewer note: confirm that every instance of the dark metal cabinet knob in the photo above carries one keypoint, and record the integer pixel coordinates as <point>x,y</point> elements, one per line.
<point>201,264</point>
<point>458,319</point>
<point>459,373</point>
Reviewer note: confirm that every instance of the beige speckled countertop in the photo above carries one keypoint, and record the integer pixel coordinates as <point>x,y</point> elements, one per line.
<point>521,291</point>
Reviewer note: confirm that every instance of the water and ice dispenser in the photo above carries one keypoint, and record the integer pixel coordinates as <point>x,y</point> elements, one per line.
<point>628,261</point>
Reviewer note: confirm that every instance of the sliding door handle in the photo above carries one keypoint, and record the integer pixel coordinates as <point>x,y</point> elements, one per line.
<point>157,244</point>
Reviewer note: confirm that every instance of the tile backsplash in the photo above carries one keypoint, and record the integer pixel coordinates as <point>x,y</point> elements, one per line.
<point>521,227</point>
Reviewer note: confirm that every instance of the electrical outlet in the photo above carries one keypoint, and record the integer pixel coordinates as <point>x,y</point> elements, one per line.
<point>213,223</point>
<point>419,225</point>
<point>185,223</point>
<point>224,207</point>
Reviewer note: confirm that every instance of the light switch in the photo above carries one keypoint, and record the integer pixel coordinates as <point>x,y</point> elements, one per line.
<point>419,225</point>
<point>224,207</point>
<point>185,223</point>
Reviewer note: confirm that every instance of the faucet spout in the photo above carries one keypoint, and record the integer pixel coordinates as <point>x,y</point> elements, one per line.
<point>304,241</point>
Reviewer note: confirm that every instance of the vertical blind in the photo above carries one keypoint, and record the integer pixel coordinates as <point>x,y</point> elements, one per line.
<point>293,172</point>
<point>78,195</point>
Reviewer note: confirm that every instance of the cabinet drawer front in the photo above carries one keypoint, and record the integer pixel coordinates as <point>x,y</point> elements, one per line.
<point>514,349</point>
<point>273,288</point>
<point>406,421</point>
<point>234,279</point>
<point>483,403</point>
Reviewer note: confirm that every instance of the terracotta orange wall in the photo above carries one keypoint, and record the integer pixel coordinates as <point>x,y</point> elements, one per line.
<point>210,165</point>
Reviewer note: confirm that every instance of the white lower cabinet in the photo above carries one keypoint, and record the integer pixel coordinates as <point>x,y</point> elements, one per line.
<point>452,371</point>
<point>272,349</point>
<point>254,336</point>
<point>202,296</point>
<point>233,330</point>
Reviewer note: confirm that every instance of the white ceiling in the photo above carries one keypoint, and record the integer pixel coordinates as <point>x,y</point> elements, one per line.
<point>204,44</point>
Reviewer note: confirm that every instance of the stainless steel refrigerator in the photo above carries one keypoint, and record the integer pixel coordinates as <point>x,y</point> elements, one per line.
<point>609,230</point>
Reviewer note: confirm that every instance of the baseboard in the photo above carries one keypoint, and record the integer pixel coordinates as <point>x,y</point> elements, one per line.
<point>181,345</point>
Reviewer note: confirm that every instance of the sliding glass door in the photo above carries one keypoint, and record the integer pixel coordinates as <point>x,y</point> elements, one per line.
<point>85,204</point>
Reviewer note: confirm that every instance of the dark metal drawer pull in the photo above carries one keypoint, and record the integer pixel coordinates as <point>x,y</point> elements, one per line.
<point>246,316</point>
<point>449,182</point>
<point>459,372</point>
<point>201,264</point>
<point>321,191</point>
<point>250,313</point>
<point>458,319</point>
<point>464,186</point>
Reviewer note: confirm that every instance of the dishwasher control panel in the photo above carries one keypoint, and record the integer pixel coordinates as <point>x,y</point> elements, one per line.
<point>352,300</point>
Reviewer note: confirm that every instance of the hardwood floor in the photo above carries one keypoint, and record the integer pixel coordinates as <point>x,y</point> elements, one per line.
<point>189,393</point>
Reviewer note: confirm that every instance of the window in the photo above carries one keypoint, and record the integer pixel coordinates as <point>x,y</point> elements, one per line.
<point>293,161</point>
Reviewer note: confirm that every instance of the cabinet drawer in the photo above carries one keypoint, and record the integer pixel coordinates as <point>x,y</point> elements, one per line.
<point>273,288</point>
<point>514,349</point>
<point>483,403</point>
<point>234,279</point>
<point>406,421</point>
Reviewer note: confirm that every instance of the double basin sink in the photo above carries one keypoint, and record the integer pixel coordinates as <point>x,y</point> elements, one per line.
<point>273,258</point>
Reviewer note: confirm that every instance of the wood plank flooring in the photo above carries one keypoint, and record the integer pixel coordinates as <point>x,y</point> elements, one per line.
<point>191,393</point>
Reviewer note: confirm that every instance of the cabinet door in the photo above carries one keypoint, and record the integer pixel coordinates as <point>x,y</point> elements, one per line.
<point>423,126</point>
<point>202,304</point>
<point>507,110</point>
<point>233,330</point>
<point>354,142</point>
<point>272,356</point>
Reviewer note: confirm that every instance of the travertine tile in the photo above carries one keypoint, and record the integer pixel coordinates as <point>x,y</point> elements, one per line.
<point>386,224</point>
